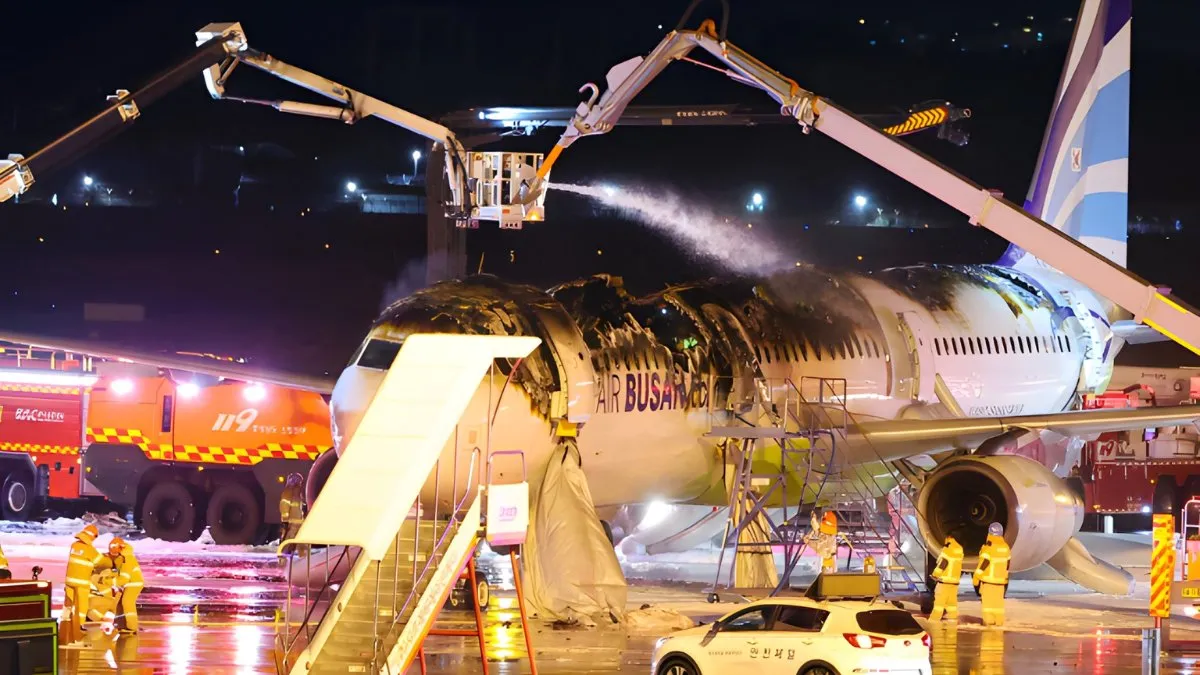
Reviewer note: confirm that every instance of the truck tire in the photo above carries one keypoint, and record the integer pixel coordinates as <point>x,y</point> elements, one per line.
<point>169,512</point>
<point>16,496</point>
<point>234,515</point>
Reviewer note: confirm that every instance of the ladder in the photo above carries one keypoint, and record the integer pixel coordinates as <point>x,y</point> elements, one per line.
<point>406,563</point>
<point>827,408</point>
<point>807,426</point>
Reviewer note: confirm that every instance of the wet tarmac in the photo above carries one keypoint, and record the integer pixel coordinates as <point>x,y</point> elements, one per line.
<point>214,612</point>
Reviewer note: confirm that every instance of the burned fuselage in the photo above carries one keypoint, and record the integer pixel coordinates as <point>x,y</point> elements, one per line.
<point>649,375</point>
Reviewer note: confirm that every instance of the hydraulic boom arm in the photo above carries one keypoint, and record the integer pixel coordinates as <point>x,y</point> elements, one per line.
<point>482,186</point>
<point>599,114</point>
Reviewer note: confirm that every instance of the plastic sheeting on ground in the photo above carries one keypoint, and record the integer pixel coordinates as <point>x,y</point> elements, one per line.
<point>754,562</point>
<point>571,570</point>
<point>656,621</point>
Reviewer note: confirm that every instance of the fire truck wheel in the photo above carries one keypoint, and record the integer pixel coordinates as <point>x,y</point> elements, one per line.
<point>169,512</point>
<point>16,496</point>
<point>234,514</point>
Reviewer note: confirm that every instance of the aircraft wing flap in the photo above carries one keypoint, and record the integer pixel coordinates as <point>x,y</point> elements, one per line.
<point>232,371</point>
<point>899,439</point>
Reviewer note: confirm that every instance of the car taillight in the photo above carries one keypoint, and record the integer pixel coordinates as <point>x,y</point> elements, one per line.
<point>864,641</point>
<point>926,640</point>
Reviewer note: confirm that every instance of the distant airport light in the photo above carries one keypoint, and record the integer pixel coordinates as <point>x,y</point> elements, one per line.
<point>609,190</point>
<point>351,186</point>
<point>122,386</point>
<point>255,393</point>
<point>87,181</point>
<point>416,155</point>
<point>860,201</point>
<point>188,389</point>
<point>756,202</point>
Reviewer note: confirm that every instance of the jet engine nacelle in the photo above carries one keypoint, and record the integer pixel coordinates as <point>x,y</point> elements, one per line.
<point>1039,512</point>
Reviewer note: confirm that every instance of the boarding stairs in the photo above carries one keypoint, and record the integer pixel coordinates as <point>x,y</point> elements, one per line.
<point>406,561</point>
<point>798,431</point>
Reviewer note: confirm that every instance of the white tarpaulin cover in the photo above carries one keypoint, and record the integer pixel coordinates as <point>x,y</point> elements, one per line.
<point>571,568</point>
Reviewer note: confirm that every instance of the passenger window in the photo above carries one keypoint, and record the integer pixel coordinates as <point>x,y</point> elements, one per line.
<point>937,346</point>
<point>841,350</point>
<point>803,351</point>
<point>747,620</point>
<point>996,344</point>
<point>758,354</point>
<point>875,346</point>
<point>1068,339</point>
<point>1012,345</point>
<point>857,346</point>
<point>777,356</point>
<point>799,619</point>
<point>962,342</point>
<point>954,344</point>
<point>971,344</point>
<point>1020,345</point>
<point>987,343</point>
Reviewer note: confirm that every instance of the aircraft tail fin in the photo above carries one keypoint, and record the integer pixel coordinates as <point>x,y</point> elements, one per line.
<point>1081,185</point>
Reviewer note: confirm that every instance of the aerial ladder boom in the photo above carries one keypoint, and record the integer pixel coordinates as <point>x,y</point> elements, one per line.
<point>481,185</point>
<point>1149,305</point>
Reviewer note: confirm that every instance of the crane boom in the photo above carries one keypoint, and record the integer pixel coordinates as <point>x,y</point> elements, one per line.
<point>482,185</point>
<point>1148,304</point>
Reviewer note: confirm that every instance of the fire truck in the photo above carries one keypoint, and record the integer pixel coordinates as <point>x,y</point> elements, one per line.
<point>1154,470</point>
<point>180,451</point>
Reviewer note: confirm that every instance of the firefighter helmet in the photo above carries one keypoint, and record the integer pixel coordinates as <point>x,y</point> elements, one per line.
<point>996,529</point>
<point>829,523</point>
<point>116,546</point>
<point>88,534</point>
<point>294,480</point>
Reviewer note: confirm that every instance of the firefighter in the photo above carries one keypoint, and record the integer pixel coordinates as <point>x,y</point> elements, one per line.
<point>4,571</point>
<point>947,574</point>
<point>823,538</point>
<point>129,580</point>
<point>291,506</point>
<point>81,564</point>
<point>991,575</point>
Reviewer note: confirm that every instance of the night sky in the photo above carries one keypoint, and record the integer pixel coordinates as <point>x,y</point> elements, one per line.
<point>296,291</point>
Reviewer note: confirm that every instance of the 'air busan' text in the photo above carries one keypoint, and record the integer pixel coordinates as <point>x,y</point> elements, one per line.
<point>650,391</point>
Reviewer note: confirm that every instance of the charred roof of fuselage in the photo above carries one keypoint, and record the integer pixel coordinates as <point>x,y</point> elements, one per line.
<point>484,305</point>
<point>803,305</point>
<point>935,286</point>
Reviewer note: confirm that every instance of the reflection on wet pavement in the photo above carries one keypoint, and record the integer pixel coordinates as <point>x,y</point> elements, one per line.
<point>217,616</point>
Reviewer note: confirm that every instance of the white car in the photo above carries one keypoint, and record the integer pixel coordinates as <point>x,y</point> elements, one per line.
<point>799,636</point>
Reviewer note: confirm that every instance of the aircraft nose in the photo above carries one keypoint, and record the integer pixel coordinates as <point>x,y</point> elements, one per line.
<point>352,395</point>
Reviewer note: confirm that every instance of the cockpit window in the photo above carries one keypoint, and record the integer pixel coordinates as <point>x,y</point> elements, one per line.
<point>378,354</point>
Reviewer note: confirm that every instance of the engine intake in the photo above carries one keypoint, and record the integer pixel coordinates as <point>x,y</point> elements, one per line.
<point>1039,511</point>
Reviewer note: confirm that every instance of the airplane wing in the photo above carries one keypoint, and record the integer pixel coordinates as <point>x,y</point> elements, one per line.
<point>899,439</point>
<point>232,371</point>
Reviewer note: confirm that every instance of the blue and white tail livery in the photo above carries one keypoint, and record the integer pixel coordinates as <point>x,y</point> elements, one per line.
<point>1081,184</point>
